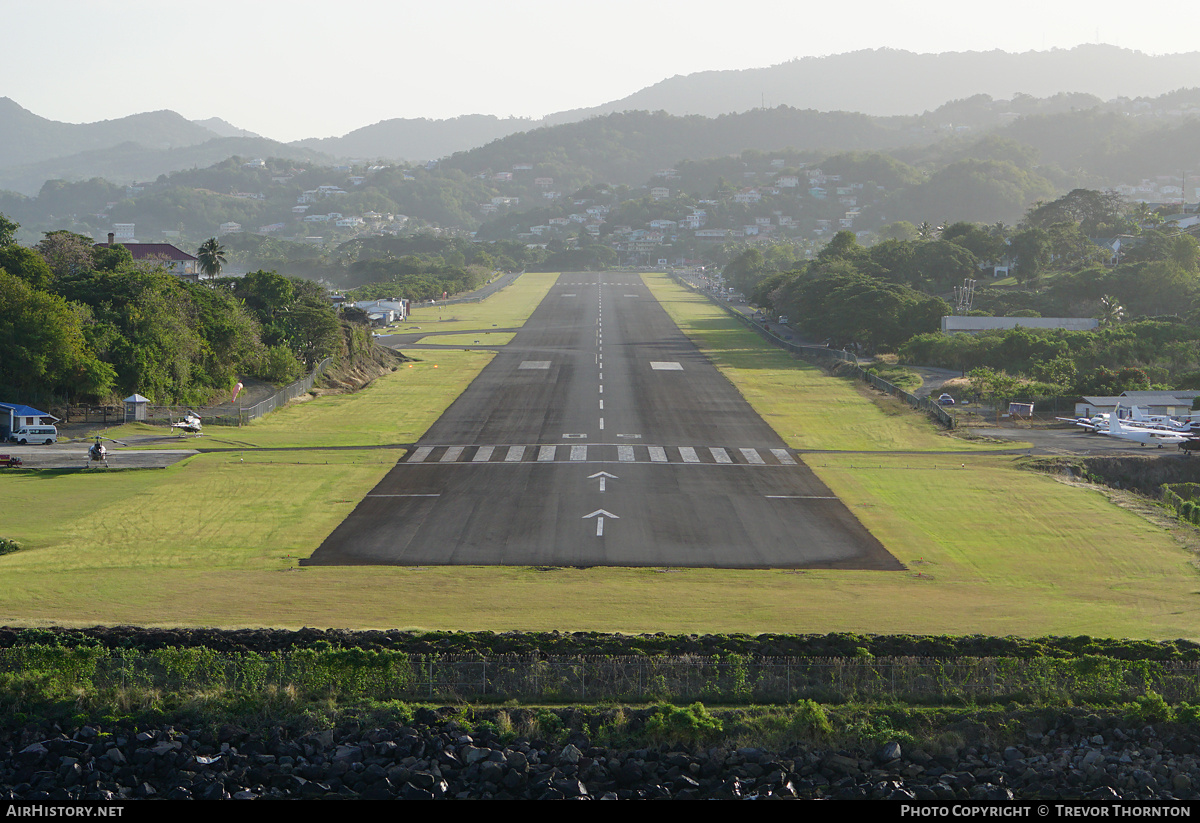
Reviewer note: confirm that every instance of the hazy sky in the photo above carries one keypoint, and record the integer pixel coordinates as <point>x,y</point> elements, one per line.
<point>289,69</point>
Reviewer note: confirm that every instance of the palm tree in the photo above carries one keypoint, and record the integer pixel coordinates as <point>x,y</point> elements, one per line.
<point>212,257</point>
<point>1111,311</point>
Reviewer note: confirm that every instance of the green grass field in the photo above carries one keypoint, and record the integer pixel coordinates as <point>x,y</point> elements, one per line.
<point>485,338</point>
<point>215,540</point>
<point>506,309</point>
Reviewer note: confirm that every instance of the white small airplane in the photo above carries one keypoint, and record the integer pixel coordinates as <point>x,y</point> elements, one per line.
<point>1136,419</point>
<point>1138,434</point>
<point>1183,423</point>
<point>190,423</point>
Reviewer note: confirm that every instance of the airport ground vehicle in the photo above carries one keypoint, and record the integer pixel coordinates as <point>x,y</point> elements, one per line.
<point>35,434</point>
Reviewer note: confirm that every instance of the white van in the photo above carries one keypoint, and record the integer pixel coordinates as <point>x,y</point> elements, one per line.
<point>35,434</point>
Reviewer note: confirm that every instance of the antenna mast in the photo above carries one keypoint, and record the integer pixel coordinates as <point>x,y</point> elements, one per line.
<point>964,297</point>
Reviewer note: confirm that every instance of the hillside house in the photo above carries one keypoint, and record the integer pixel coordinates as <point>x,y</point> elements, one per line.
<point>175,261</point>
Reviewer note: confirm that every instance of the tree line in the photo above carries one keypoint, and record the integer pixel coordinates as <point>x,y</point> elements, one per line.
<point>891,296</point>
<point>87,324</point>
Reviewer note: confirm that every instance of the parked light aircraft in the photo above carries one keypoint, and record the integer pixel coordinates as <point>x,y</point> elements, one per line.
<point>1137,419</point>
<point>1139,434</point>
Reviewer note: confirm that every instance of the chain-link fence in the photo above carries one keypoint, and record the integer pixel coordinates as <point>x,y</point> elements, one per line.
<point>242,416</point>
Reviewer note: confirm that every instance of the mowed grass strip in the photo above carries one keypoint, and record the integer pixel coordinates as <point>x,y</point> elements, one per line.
<point>997,550</point>
<point>485,338</point>
<point>806,407</point>
<point>220,511</point>
<point>506,309</point>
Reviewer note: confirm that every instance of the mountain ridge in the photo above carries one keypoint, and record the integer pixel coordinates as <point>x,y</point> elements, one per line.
<point>875,82</point>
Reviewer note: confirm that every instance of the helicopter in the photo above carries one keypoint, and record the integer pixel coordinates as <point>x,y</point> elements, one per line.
<point>190,424</point>
<point>98,452</point>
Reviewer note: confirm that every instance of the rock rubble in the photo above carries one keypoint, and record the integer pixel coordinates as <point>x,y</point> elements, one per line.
<point>437,758</point>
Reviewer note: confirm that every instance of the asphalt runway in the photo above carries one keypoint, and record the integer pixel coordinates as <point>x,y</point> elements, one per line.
<point>600,436</point>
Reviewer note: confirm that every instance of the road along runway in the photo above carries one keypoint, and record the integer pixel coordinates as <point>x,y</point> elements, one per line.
<point>600,436</point>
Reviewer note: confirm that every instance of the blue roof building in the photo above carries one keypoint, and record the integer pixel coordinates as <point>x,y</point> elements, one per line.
<point>15,415</point>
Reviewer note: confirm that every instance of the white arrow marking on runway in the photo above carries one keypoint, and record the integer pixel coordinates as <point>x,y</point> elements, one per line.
<point>602,476</point>
<point>600,514</point>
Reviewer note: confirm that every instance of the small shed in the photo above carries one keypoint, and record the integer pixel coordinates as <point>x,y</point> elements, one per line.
<point>135,407</point>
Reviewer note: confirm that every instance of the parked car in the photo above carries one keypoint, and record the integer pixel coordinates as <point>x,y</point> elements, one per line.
<point>945,400</point>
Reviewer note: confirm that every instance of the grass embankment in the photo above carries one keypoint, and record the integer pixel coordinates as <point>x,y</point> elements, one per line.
<point>215,540</point>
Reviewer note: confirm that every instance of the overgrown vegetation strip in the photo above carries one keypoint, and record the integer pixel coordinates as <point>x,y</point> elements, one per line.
<point>56,672</point>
